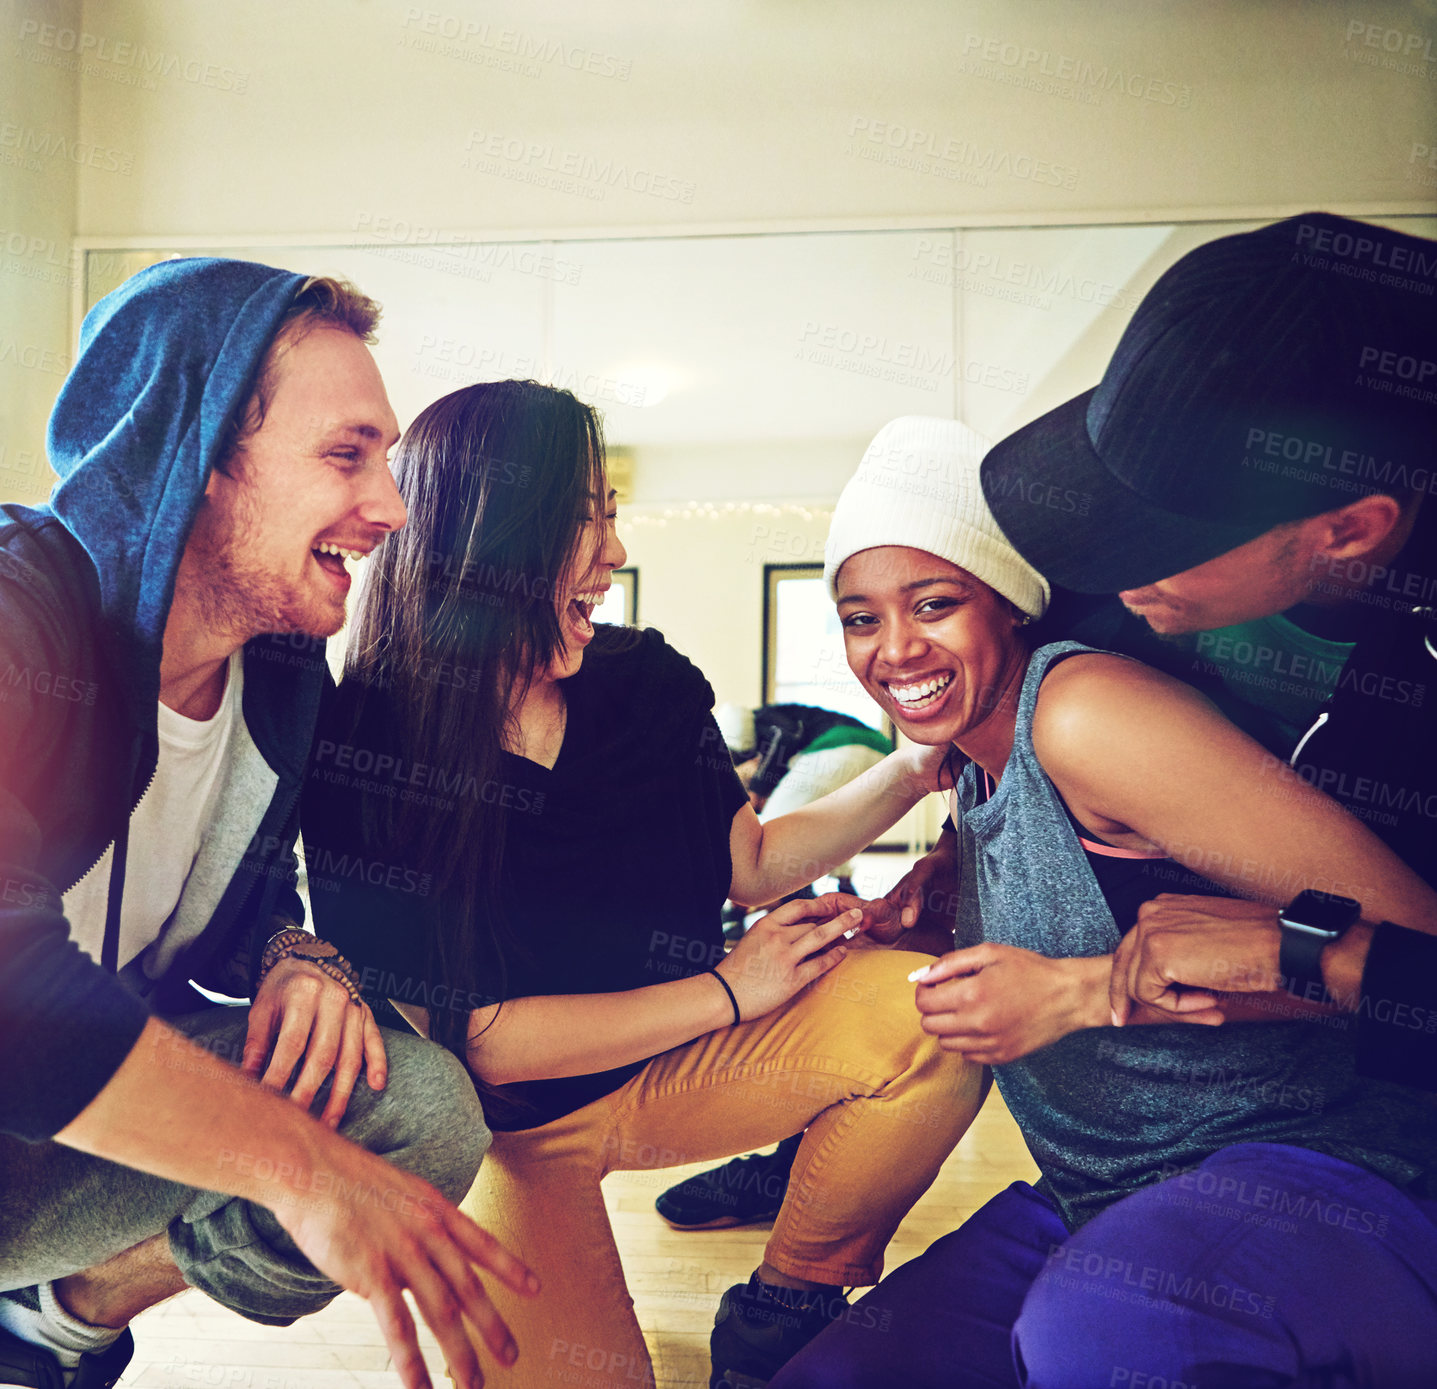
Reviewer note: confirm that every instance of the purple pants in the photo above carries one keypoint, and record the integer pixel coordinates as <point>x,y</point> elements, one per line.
<point>1266,1266</point>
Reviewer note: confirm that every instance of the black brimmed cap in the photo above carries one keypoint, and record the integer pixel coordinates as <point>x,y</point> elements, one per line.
<point>1264,378</point>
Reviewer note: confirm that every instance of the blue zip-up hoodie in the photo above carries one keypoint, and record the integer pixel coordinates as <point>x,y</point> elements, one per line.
<point>85,588</point>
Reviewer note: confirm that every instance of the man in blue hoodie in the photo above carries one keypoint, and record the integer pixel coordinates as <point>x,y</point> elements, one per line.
<point>222,449</point>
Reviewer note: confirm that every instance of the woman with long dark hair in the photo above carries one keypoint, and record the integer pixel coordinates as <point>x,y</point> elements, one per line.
<point>522,828</point>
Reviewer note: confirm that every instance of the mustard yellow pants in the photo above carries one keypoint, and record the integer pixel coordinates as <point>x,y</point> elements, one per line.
<point>883,1106</point>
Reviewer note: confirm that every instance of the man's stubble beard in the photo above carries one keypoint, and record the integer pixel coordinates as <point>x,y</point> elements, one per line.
<point>1186,617</point>
<point>234,594</point>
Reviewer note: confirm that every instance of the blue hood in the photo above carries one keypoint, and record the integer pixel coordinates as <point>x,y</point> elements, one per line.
<point>164,362</point>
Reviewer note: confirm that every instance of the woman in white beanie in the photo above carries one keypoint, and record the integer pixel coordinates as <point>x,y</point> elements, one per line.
<point>1092,784</point>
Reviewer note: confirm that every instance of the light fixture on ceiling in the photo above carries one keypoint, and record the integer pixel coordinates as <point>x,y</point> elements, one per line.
<point>644,384</point>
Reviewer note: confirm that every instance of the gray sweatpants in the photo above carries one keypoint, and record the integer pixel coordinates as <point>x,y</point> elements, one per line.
<point>62,1210</point>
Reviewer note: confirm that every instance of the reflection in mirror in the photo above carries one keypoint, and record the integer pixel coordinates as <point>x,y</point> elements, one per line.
<point>804,662</point>
<point>742,376</point>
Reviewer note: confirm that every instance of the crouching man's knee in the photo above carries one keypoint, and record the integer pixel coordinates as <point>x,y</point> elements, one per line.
<point>428,1120</point>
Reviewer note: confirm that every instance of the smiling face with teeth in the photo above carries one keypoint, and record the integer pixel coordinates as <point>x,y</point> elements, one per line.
<point>937,649</point>
<point>308,490</point>
<point>587,578</point>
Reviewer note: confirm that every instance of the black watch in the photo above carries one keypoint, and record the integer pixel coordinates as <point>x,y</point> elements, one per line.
<point>1309,922</point>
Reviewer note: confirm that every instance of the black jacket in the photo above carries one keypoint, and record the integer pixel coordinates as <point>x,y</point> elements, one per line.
<point>85,590</point>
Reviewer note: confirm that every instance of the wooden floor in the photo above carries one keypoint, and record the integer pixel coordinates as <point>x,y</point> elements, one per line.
<point>676,1280</point>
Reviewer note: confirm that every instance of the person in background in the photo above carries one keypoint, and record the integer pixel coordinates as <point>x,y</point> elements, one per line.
<point>789,755</point>
<point>221,444</point>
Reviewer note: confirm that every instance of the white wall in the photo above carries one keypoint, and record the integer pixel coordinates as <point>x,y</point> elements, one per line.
<point>705,520</point>
<point>39,119</point>
<point>267,116</point>
<point>701,578</point>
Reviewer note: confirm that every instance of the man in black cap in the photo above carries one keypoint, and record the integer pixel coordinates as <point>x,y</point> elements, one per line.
<point>1254,466</point>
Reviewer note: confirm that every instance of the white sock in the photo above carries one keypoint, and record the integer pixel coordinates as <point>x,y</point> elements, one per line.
<point>51,1326</point>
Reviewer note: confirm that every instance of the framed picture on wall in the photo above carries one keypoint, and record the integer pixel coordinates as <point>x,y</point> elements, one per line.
<point>803,660</point>
<point>621,602</point>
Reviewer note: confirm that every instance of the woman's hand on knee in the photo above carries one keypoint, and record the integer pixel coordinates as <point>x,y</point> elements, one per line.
<point>788,949</point>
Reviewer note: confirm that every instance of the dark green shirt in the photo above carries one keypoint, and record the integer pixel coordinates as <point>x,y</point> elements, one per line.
<point>1274,664</point>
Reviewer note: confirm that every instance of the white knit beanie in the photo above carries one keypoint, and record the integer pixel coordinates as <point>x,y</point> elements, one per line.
<point>918,486</point>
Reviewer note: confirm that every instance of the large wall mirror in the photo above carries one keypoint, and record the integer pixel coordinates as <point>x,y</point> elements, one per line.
<point>740,377</point>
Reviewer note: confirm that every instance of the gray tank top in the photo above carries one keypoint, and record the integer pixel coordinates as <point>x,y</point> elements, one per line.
<point>1107,1110</point>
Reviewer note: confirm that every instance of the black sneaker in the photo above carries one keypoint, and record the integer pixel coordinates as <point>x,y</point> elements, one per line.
<point>745,1191</point>
<point>33,1367</point>
<point>733,918</point>
<point>758,1330</point>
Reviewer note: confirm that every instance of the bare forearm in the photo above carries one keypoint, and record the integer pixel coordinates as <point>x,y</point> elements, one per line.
<point>1343,964</point>
<point>175,1110</point>
<point>543,1037</point>
<point>788,853</point>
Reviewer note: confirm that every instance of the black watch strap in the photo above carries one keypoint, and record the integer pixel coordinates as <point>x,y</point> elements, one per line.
<point>1310,921</point>
<point>1300,960</point>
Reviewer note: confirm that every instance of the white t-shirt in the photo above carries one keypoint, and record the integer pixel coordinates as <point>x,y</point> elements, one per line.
<point>166,829</point>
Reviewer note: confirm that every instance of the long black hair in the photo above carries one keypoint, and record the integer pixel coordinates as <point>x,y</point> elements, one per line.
<point>456,618</point>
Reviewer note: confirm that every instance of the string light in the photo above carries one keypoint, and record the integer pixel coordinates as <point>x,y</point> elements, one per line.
<point>638,516</point>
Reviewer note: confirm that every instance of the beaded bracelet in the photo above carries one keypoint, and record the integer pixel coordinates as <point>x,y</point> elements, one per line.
<point>736,1017</point>
<point>296,944</point>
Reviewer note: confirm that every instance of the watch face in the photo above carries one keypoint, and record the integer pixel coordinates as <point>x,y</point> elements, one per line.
<point>1323,913</point>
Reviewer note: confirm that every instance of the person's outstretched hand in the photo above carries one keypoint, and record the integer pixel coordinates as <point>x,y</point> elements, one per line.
<point>378,1230</point>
